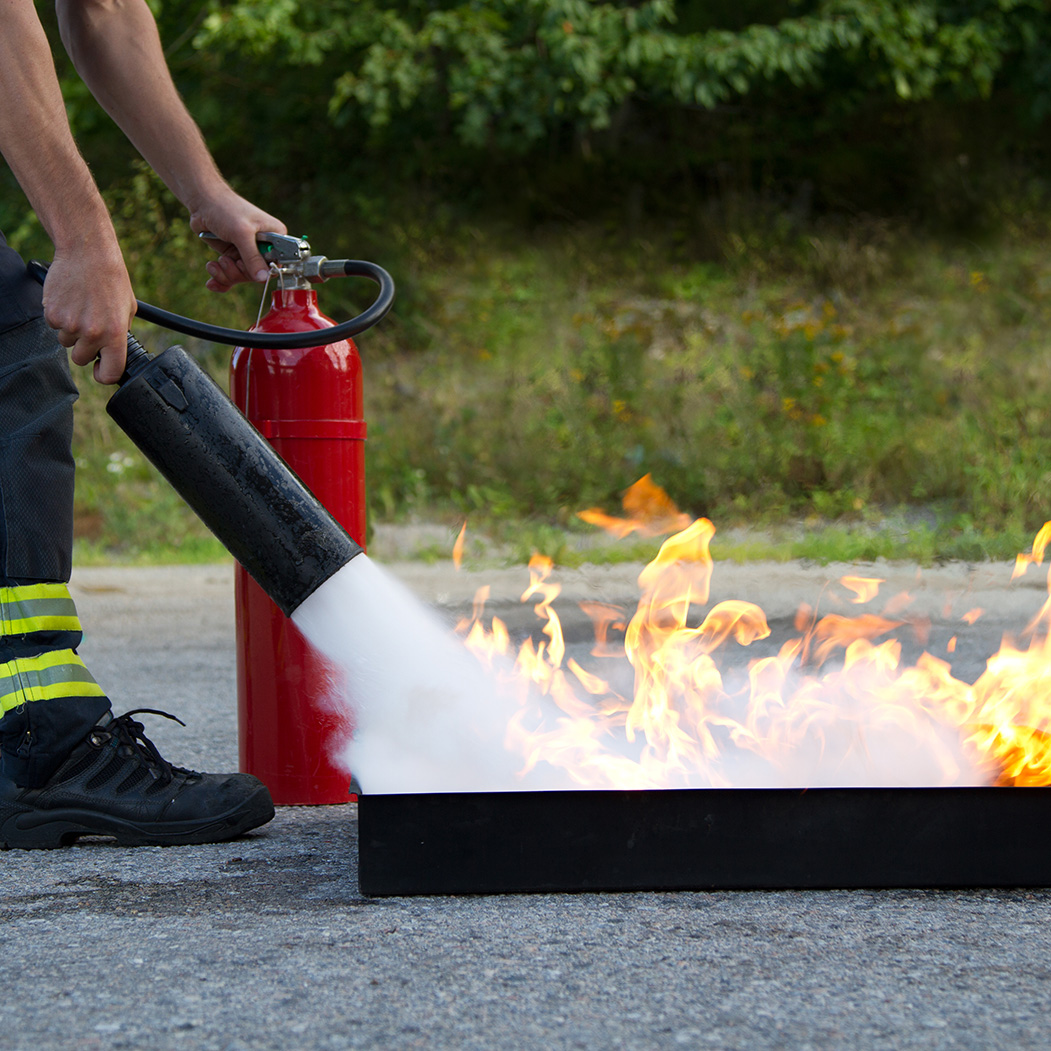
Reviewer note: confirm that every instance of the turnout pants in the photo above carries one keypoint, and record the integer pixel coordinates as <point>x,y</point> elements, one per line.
<point>48,698</point>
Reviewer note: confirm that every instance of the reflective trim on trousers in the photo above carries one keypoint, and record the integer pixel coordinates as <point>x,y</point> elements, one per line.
<point>52,675</point>
<point>37,607</point>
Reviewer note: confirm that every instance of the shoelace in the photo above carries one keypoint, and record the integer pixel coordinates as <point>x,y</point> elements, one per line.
<point>131,734</point>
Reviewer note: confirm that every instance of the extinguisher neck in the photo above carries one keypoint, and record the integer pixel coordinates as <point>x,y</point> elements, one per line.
<point>293,310</point>
<point>293,297</point>
<point>291,280</point>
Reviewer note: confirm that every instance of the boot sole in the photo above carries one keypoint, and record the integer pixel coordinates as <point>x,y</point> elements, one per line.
<point>31,828</point>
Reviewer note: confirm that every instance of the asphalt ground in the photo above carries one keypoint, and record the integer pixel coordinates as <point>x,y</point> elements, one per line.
<point>265,942</point>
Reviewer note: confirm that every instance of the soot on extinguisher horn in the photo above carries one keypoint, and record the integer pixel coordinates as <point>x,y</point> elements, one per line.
<point>230,475</point>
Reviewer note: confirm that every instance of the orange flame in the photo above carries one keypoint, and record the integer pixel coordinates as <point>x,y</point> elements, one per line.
<point>1024,561</point>
<point>458,546</point>
<point>834,705</point>
<point>650,512</point>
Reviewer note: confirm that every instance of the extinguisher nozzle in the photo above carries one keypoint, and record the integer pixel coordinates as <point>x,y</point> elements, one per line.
<point>230,475</point>
<point>136,361</point>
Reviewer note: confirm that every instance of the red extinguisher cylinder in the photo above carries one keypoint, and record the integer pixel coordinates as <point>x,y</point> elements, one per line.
<point>308,405</point>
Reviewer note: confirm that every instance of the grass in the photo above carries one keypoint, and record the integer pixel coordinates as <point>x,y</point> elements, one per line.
<point>199,551</point>
<point>845,392</point>
<point>920,544</point>
<point>559,380</point>
<point>892,538</point>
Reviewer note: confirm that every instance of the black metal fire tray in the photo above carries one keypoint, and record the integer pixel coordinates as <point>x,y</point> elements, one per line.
<point>703,839</point>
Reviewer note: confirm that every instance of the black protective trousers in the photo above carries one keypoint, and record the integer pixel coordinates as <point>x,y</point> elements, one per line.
<point>36,427</point>
<point>36,512</point>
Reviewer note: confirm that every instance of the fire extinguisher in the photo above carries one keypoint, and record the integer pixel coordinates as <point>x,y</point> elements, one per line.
<point>307,402</point>
<point>302,391</point>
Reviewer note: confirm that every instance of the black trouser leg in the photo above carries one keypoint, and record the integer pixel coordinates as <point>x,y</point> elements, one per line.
<point>48,699</point>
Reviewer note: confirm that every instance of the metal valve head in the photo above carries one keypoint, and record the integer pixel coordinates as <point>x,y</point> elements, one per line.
<point>282,249</point>
<point>275,248</point>
<point>289,254</point>
<point>296,267</point>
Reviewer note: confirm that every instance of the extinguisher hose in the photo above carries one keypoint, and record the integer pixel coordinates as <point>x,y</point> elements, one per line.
<point>270,340</point>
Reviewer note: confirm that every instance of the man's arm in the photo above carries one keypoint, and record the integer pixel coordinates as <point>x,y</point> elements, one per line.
<point>115,47</point>
<point>88,298</point>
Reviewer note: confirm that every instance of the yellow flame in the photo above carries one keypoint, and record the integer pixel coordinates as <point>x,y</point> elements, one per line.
<point>837,692</point>
<point>865,588</point>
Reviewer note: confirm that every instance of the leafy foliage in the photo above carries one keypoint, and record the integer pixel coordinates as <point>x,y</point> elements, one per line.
<point>555,108</point>
<point>506,73</point>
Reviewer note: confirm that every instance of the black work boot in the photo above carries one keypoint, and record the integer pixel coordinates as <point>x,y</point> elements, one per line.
<point>115,783</point>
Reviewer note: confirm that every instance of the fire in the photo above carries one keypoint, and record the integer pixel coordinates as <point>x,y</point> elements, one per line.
<point>458,546</point>
<point>833,706</point>
<point>649,509</point>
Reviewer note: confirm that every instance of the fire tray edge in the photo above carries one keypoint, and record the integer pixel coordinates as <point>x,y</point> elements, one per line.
<point>703,839</point>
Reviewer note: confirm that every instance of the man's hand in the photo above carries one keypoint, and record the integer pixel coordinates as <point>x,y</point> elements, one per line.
<point>89,302</point>
<point>236,222</point>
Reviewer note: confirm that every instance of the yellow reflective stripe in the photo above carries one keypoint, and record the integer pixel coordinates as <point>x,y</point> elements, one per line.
<point>33,591</point>
<point>51,675</point>
<point>27,625</point>
<point>37,607</point>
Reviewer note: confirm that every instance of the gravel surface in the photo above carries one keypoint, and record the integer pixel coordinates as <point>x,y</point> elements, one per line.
<point>266,943</point>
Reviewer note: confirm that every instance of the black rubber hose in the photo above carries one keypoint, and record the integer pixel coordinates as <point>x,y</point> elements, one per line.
<point>236,337</point>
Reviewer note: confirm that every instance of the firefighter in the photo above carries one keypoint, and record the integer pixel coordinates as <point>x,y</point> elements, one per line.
<point>68,765</point>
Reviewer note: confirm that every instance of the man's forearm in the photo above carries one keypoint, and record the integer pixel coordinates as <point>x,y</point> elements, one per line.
<point>36,141</point>
<point>116,49</point>
<point>88,299</point>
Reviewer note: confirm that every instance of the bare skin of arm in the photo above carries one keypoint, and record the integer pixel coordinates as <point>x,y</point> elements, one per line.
<point>88,298</point>
<point>116,49</point>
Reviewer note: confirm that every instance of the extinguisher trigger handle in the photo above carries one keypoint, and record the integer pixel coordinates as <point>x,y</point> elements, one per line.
<point>276,248</point>
<point>282,249</point>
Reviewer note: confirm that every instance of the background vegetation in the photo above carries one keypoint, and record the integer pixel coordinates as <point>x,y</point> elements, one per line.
<point>790,256</point>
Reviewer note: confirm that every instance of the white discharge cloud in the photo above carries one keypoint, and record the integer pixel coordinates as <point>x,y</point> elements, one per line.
<point>430,718</point>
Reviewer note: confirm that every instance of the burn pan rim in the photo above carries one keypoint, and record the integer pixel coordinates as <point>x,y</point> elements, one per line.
<point>702,839</point>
